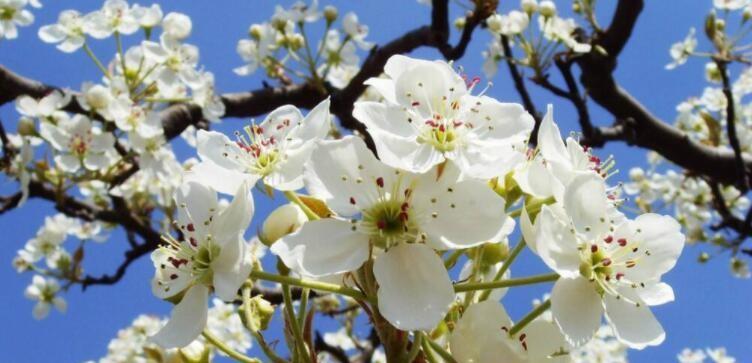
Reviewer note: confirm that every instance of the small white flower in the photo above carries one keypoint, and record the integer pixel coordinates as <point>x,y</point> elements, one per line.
<point>137,119</point>
<point>68,32</point>
<point>562,30</point>
<point>78,142</point>
<point>730,4</point>
<point>482,336</point>
<point>48,106</point>
<point>211,254</point>
<point>148,17</point>
<point>340,339</point>
<point>510,24</point>
<point>274,150</point>
<point>12,14</point>
<point>606,265</point>
<point>115,16</point>
<point>718,355</point>
<point>177,26</point>
<point>255,51</point>
<point>298,12</point>
<point>429,117</point>
<point>691,356</point>
<point>406,215</point>
<point>681,51</point>
<point>44,291</point>
<point>356,31</point>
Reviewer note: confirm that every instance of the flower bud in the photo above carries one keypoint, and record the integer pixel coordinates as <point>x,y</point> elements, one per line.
<point>529,6</point>
<point>261,312</point>
<point>547,8</point>
<point>255,31</point>
<point>720,24</point>
<point>494,23</point>
<point>26,127</point>
<point>494,253</point>
<point>281,222</point>
<point>296,41</point>
<point>460,22</point>
<point>712,73</point>
<point>330,14</point>
<point>636,174</point>
<point>704,257</point>
<point>177,26</point>
<point>739,268</point>
<point>747,14</point>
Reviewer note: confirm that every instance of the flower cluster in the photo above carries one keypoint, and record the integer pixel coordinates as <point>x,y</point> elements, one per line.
<point>281,47</point>
<point>553,32</point>
<point>13,14</point>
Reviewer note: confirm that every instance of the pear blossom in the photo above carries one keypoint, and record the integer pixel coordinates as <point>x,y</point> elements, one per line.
<point>491,57</point>
<point>68,32</point>
<point>139,120</point>
<point>114,17</point>
<point>284,220</point>
<point>255,51</point>
<point>210,255</point>
<point>509,24</point>
<point>274,150</point>
<point>44,291</point>
<point>606,265</point>
<point>47,243</point>
<point>356,31</point>
<point>299,12</point>
<point>12,14</point>
<point>407,216</point>
<point>561,30</point>
<point>179,59</point>
<point>681,51</point>
<point>691,356</point>
<point>148,17</point>
<point>177,26</point>
<point>79,143</point>
<point>48,106</point>
<point>730,4</point>
<point>340,339</point>
<point>556,162</point>
<point>482,336</point>
<point>96,98</point>
<point>430,117</point>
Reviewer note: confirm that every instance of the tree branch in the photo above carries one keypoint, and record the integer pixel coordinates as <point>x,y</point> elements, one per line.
<point>519,85</point>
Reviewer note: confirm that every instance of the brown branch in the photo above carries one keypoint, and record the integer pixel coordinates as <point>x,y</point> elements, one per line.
<point>645,129</point>
<point>731,125</point>
<point>320,345</point>
<point>519,85</point>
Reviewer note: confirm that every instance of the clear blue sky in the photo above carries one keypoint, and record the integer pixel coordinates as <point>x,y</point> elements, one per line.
<point>712,308</point>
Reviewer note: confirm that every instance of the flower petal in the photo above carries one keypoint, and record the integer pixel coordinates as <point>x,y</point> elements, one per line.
<point>577,309</point>
<point>634,325</point>
<point>323,247</point>
<point>478,336</point>
<point>223,180</point>
<point>417,269</point>
<point>556,244</point>
<point>233,220</point>
<point>586,203</point>
<point>187,320</point>
<point>197,205</point>
<point>231,269</point>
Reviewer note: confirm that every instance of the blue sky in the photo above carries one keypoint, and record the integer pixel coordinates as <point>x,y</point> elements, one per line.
<point>711,307</point>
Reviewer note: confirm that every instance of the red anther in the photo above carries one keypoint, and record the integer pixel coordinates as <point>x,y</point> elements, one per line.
<point>524,345</point>
<point>415,104</point>
<point>380,182</point>
<point>606,261</point>
<point>190,227</point>
<point>593,248</point>
<point>404,206</point>
<point>381,224</point>
<point>457,123</point>
<point>173,276</point>
<point>442,128</point>
<point>431,123</point>
<point>352,200</point>
<point>622,242</point>
<point>522,336</point>
<point>608,239</point>
<point>403,216</point>
<point>619,275</point>
<point>280,126</point>
<point>193,241</point>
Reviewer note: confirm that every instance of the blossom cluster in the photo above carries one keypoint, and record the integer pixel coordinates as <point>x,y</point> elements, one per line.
<point>280,46</point>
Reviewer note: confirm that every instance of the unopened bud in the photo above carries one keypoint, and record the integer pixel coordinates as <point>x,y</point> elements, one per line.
<point>261,312</point>
<point>281,222</point>
<point>636,174</point>
<point>712,73</point>
<point>177,25</point>
<point>296,41</point>
<point>26,127</point>
<point>255,31</point>
<point>577,8</point>
<point>720,24</point>
<point>547,9</point>
<point>330,14</point>
<point>704,257</point>
<point>494,253</point>
<point>460,22</point>
<point>529,6</point>
<point>747,14</point>
<point>494,23</point>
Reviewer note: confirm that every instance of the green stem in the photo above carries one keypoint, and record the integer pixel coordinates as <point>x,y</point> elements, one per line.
<point>428,352</point>
<point>316,285</point>
<point>297,333</point>
<point>473,286</point>
<point>293,197</point>
<point>415,348</point>
<point>303,306</point>
<point>532,208</point>
<point>505,266</point>
<point>441,351</point>
<point>227,350</point>
<point>119,43</point>
<point>540,309</point>
<point>96,60</point>
<point>452,258</point>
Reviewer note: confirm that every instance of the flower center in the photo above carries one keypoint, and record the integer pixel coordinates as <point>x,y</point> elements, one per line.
<point>261,152</point>
<point>7,13</point>
<point>78,145</point>
<point>389,221</point>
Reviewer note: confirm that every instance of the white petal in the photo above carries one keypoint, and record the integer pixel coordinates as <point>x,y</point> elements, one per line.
<point>289,173</point>
<point>54,135</point>
<point>468,215</point>
<point>97,161</point>
<point>656,293</point>
<point>197,205</point>
<point>168,280</point>
<point>68,162</point>
<point>634,325</point>
<point>231,269</point>
<point>316,123</point>
<point>219,149</point>
<point>223,180</point>
<point>51,33</point>
<point>577,309</point>
<point>233,220</point>
<point>660,243</point>
<point>549,139</point>
<point>187,320</point>
<point>323,247</point>
<point>556,244</point>
<point>544,339</point>
<point>386,118</point>
<point>586,203</point>
<point>346,169</point>
<point>414,288</point>
<point>535,179</point>
<point>41,310</point>
<point>478,336</point>
<point>385,87</point>
<point>405,153</point>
